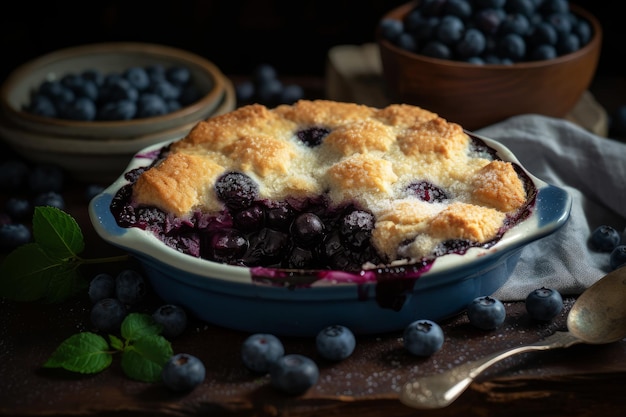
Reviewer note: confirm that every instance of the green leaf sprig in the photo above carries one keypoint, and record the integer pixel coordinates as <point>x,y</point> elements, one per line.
<point>144,351</point>
<point>48,268</point>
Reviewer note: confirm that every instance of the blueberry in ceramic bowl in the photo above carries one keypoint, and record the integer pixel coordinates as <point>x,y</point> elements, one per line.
<point>216,276</point>
<point>111,91</point>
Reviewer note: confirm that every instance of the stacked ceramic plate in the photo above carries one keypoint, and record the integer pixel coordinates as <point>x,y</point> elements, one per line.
<point>99,150</point>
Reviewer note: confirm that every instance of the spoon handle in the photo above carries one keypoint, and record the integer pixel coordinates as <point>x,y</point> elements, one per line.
<point>440,390</point>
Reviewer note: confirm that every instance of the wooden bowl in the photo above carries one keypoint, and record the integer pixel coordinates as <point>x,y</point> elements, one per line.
<point>479,95</point>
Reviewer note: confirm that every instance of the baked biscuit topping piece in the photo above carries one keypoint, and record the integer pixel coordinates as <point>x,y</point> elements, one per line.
<point>468,222</point>
<point>164,187</point>
<point>324,113</point>
<point>361,137</point>
<point>436,137</point>
<point>361,177</point>
<point>497,185</point>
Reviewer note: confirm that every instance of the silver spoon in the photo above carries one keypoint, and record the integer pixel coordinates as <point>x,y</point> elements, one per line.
<point>598,316</point>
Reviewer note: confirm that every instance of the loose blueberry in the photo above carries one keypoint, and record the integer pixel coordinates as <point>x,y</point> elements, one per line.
<point>183,372</point>
<point>18,209</point>
<point>604,238</point>
<point>544,304</point>
<point>486,312</point>
<point>107,314</point>
<point>259,351</point>
<point>423,337</point>
<point>101,286</point>
<point>173,318</point>
<point>92,190</point>
<point>335,342</point>
<point>130,286</point>
<point>14,235</point>
<point>294,374</point>
<point>50,199</point>
<point>617,258</point>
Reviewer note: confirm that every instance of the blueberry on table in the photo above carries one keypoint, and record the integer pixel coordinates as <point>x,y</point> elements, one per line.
<point>259,351</point>
<point>107,314</point>
<point>101,286</point>
<point>130,286</point>
<point>13,235</point>
<point>544,304</point>
<point>50,199</point>
<point>19,209</point>
<point>423,337</point>
<point>486,312</point>
<point>183,372</point>
<point>173,318</point>
<point>617,258</point>
<point>604,238</point>
<point>294,374</point>
<point>335,342</point>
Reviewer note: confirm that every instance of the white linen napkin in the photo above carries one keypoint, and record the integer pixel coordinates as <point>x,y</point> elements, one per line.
<point>593,170</point>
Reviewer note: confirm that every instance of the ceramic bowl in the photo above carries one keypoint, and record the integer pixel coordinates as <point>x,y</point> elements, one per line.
<point>301,303</point>
<point>100,160</point>
<point>108,58</point>
<point>476,96</point>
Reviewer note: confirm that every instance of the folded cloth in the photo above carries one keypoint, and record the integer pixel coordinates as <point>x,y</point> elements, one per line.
<point>593,170</point>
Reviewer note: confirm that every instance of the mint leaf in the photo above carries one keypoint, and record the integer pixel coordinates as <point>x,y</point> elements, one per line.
<point>86,353</point>
<point>144,359</point>
<point>116,342</point>
<point>25,273</point>
<point>64,282</point>
<point>137,325</point>
<point>57,232</point>
<point>29,273</point>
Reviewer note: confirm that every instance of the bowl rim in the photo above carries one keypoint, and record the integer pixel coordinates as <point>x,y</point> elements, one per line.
<point>210,99</point>
<point>594,43</point>
<point>542,221</point>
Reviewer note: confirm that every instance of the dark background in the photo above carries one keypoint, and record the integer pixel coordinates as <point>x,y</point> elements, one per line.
<point>236,35</point>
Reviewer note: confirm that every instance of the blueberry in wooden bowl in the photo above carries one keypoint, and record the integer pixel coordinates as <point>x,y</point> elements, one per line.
<point>290,219</point>
<point>479,65</point>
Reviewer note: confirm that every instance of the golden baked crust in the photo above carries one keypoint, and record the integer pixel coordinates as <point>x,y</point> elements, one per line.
<point>369,158</point>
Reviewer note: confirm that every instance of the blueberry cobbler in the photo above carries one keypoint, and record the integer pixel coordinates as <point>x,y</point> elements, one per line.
<point>324,185</point>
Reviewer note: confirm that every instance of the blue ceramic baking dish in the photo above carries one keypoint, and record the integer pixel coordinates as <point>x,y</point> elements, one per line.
<point>301,304</point>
